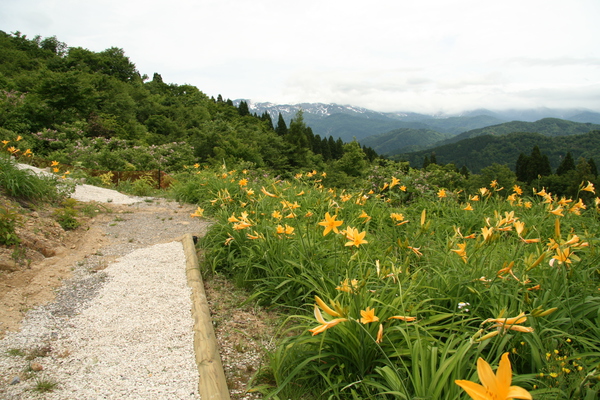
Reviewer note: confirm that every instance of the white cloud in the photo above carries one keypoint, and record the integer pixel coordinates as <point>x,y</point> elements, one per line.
<point>426,56</point>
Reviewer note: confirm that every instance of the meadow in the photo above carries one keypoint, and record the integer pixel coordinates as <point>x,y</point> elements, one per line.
<point>397,289</point>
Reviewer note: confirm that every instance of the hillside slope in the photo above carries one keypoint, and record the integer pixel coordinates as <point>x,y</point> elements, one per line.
<point>481,151</point>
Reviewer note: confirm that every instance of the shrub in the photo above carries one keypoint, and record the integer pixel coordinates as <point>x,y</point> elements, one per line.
<point>8,221</point>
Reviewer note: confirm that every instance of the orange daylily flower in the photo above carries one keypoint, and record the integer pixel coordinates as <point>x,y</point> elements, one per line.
<point>379,334</point>
<point>324,324</point>
<point>326,308</point>
<point>347,287</point>
<point>461,251</point>
<point>365,216</point>
<point>504,324</point>
<point>198,213</point>
<point>403,318</point>
<point>494,387</point>
<point>262,189</point>
<point>355,238</point>
<point>589,187</point>
<point>330,224</point>
<point>368,316</point>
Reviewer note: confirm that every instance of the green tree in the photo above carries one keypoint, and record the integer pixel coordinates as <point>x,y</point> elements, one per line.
<point>530,168</point>
<point>281,127</point>
<point>593,168</point>
<point>426,162</point>
<point>298,141</point>
<point>354,161</point>
<point>501,173</point>
<point>567,164</point>
<point>243,109</point>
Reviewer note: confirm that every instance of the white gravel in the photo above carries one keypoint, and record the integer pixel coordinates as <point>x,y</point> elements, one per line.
<point>94,193</point>
<point>132,340</point>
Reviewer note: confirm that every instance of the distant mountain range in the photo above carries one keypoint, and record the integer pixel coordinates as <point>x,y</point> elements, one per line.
<point>349,122</point>
<point>474,139</point>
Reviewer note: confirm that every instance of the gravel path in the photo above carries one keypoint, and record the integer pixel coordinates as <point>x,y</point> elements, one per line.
<point>121,327</point>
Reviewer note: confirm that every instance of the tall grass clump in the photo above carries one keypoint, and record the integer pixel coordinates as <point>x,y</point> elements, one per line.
<point>24,185</point>
<point>395,290</point>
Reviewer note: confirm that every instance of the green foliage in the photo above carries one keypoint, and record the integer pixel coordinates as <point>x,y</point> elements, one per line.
<point>353,162</point>
<point>479,152</point>
<point>8,221</point>
<point>427,261</point>
<point>93,109</point>
<point>567,164</point>
<point>22,184</point>
<point>144,186</point>
<point>545,126</point>
<point>66,216</point>
<point>403,140</point>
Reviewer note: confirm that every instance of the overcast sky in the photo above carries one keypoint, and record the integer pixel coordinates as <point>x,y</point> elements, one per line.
<point>386,55</point>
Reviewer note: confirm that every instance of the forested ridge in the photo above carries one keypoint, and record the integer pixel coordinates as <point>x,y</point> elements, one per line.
<point>479,152</point>
<point>71,104</point>
<point>95,110</point>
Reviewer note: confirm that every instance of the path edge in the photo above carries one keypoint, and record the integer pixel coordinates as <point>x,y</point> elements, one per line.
<point>212,384</point>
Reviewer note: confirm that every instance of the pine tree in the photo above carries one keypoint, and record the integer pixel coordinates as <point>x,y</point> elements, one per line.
<point>339,148</point>
<point>567,164</point>
<point>298,140</point>
<point>529,168</point>
<point>333,150</point>
<point>433,159</point>
<point>281,127</point>
<point>593,168</point>
<point>267,117</point>
<point>521,168</point>
<point>325,150</point>
<point>317,144</point>
<point>243,109</point>
<point>426,162</point>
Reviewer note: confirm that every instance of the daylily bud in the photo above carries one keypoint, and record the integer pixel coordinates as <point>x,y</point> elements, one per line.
<point>488,336</point>
<point>547,312</point>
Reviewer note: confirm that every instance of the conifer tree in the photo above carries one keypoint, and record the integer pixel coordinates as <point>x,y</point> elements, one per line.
<point>297,138</point>
<point>433,159</point>
<point>317,147</point>
<point>426,162</point>
<point>529,168</point>
<point>310,136</point>
<point>267,117</point>
<point>521,167</point>
<point>567,164</point>
<point>339,148</point>
<point>281,127</point>
<point>593,168</point>
<point>325,149</point>
<point>243,109</point>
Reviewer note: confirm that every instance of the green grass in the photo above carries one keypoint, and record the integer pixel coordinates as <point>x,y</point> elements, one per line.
<point>266,237</point>
<point>44,385</point>
<point>22,184</point>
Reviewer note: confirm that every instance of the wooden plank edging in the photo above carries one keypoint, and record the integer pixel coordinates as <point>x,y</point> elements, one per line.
<point>212,384</point>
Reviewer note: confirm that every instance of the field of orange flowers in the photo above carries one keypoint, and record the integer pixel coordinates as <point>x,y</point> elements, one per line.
<point>398,299</point>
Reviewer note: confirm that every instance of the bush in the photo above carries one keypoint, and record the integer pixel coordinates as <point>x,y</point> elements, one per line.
<point>23,184</point>
<point>8,221</point>
<point>67,216</point>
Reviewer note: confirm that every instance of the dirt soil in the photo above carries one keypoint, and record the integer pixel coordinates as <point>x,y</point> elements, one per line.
<point>32,273</point>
